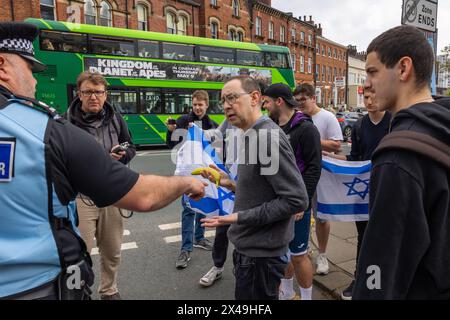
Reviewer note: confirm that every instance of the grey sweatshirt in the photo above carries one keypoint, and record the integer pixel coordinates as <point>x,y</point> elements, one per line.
<point>266,204</point>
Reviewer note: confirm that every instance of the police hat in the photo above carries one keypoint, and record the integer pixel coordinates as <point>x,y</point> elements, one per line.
<point>281,90</point>
<point>17,38</point>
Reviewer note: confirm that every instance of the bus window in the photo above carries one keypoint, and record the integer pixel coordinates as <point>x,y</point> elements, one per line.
<point>151,101</point>
<point>173,51</point>
<point>214,99</point>
<point>249,58</point>
<point>123,101</point>
<point>148,49</point>
<point>63,41</point>
<point>216,55</point>
<point>276,60</point>
<point>112,46</point>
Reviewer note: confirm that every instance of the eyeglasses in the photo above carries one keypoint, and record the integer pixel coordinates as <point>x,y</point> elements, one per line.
<point>89,93</point>
<point>301,99</point>
<point>231,98</point>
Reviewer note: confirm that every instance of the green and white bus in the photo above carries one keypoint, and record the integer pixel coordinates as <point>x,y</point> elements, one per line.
<point>151,75</point>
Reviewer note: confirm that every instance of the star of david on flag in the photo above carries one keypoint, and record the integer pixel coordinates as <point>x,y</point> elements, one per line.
<point>343,190</point>
<point>197,152</point>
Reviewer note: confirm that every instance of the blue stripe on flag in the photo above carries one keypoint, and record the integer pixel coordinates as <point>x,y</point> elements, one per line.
<point>206,205</point>
<point>333,168</point>
<point>343,209</point>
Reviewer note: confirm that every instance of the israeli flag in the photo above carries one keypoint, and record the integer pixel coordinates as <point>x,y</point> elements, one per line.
<point>197,152</point>
<point>343,190</point>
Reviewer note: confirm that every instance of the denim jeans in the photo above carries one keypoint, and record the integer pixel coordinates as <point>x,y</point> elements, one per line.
<point>258,278</point>
<point>187,227</point>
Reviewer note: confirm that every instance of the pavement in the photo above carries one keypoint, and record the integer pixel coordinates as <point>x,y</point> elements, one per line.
<point>341,254</point>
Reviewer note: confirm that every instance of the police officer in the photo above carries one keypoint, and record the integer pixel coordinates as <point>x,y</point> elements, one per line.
<point>44,163</point>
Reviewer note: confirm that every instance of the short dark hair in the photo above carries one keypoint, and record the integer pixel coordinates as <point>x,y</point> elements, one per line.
<point>248,83</point>
<point>405,41</point>
<point>94,77</point>
<point>201,95</point>
<point>306,89</point>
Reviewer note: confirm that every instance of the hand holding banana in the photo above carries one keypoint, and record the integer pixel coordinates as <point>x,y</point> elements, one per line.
<point>214,174</point>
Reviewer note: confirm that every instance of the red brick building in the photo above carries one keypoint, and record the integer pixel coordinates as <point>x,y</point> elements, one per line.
<point>239,20</point>
<point>331,65</point>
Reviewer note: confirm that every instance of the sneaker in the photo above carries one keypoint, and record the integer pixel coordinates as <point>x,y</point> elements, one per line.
<point>322,264</point>
<point>212,275</point>
<point>115,296</point>
<point>347,293</point>
<point>204,244</point>
<point>182,260</point>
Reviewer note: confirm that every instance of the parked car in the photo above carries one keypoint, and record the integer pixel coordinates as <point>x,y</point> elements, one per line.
<point>346,121</point>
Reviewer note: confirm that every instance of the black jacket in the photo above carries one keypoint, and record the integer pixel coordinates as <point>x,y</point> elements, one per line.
<point>408,235</point>
<point>109,129</point>
<point>183,123</point>
<point>305,141</point>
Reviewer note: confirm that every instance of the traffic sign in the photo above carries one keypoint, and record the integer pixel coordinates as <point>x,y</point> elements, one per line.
<point>339,81</point>
<point>420,13</point>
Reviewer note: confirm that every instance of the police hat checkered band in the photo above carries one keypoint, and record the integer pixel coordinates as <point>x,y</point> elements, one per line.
<point>17,45</point>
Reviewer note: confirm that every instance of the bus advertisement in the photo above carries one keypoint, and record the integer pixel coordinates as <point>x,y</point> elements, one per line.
<point>151,75</point>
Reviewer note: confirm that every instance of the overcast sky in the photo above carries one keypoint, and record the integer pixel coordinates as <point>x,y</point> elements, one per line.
<point>357,22</point>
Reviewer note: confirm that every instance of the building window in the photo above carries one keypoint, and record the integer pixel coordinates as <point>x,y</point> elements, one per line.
<point>271,30</point>
<point>182,25</point>
<point>293,58</point>
<point>323,50</point>
<point>309,65</point>
<point>282,34</point>
<point>335,53</point>
<point>317,49</point>
<point>324,73</point>
<point>302,37</point>
<point>258,26</point>
<point>213,3</point>
<point>105,14</point>
<point>240,36</point>
<point>302,63</point>
<point>142,13</point>
<point>330,74</point>
<point>90,12</point>
<point>232,35</point>
<point>48,9</point>
<point>293,34</point>
<point>329,52</point>
<point>236,8</point>
<point>317,70</point>
<point>171,26</point>
<point>214,30</point>
<point>310,39</point>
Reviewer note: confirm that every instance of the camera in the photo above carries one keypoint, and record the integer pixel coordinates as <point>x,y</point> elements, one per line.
<point>121,147</point>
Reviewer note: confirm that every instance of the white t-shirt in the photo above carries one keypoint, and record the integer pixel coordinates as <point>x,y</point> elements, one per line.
<point>327,125</point>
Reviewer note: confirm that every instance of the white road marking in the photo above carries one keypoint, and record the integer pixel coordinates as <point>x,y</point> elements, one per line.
<point>177,238</point>
<point>124,246</point>
<point>170,226</point>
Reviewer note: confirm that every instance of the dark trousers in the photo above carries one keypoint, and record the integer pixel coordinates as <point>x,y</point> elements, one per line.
<point>220,248</point>
<point>257,278</point>
<point>361,228</point>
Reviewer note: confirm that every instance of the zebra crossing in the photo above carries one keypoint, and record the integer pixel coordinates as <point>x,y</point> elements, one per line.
<point>177,237</point>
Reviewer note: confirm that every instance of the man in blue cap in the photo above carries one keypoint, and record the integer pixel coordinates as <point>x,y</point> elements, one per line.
<point>44,163</point>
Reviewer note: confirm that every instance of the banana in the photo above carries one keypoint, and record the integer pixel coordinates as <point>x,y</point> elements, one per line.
<point>213,172</point>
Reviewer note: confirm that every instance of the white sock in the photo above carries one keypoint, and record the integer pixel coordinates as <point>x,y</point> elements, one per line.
<point>287,286</point>
<point>306,294</point>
